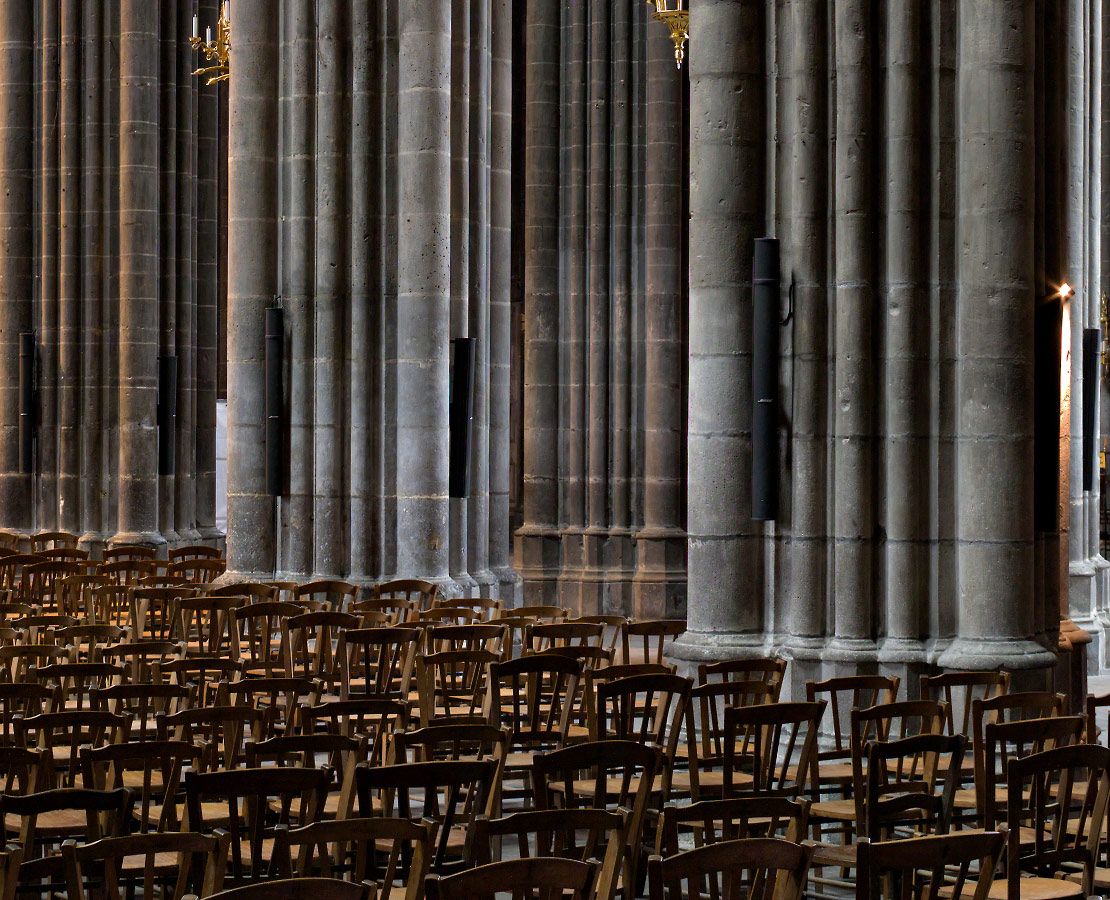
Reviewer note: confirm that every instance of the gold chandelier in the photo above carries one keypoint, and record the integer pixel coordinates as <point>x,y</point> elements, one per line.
<point>218,50</point>
<point>675,14</point>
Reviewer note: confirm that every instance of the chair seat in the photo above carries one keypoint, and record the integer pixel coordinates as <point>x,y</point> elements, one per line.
<point>839,810</point>
<point>164,863</point>
<point>1030,889</point>
<point>842,856</point>
<point>1101,882</point>
<point>59,822</point>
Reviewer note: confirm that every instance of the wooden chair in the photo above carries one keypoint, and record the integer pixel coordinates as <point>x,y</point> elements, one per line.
<point>47,818</point>
<point>126,571</point>
<point>193,551</point>
<point>75,595</point>
<point>539,613</point>
<point>259,638</point>
<point>544,636</point>
<point>516,631</point>
<point>42,628</point>
<point>960,690</point>
<point>9,540</point>
<point>735,818</point>
<point>205,625</point>
<point>223,732</point>
<point>453,686</point>
<point>11,574</point>
<point>644,640</point>
<point>143,704</point>
<point>16,661</point>
<point>187,861</point>
<point>523,879</point>
<point>156,612</point>
<point>614,628</point>
<point>74,684</point>
<point>372,719</point>
<point>609,775</point>
<point>151,770</point>
<point>198,570</point>
<point>314,640</point>
<point>378,661</point>
<point>254,801</point>
<point>1045,836</point>
<point>393,854</point>
<point>453,615</point>
<point>450,794</point>
<point>411,590</point>
<point>1005,741</point>
<point>929,868</point>
<point>63,735</point>
<point>296,889</point>
<point>279,699</point>
<point>202,675</point>
<point>401,611</point>
<point>254,591</point>
<point>439,638</point>
<point>704,747</point>
<point>87,643</point>
<point>9,612</point>
<point>486,607</point>
<point>834,765</point>
<point>112,604</point>
<point>141,657</point>
<point>769,670</point>
<point>756,868</point>
<point>337,753</point>
<point>333,596</point>
<point>19,702</point>
<point>129,553</point>
<point>53,540</point>
<point>39,582</point>
<point>23,770</point>
<point>1094,704</point>
<point>760,746</point>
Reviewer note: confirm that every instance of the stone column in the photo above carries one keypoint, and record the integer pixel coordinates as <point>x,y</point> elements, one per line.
<point>660,581</point>
<point>298,261</point>
<point>500,314</point>
<point>539,543</point>
<point>252,285</point>
<point>207,292</point>
<point>329,375</point>
<point>138,342</point>
<point>16,247</point>
<point>423,291</point>
<point>46,310</point>
<point>994,324</point>
<point>852,439</point>
<point>477,517</point>
<point>70,516</point>
<point>806,52</point>
<point>727,146</point>
<point>905,398</point>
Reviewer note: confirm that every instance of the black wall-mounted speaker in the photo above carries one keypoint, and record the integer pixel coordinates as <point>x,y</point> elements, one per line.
<point>28,397</point>
<point>1091,338</point>
<point>461,415</point>
<point>167,414</point>
<point>275,401</point>
<point>765,379</point>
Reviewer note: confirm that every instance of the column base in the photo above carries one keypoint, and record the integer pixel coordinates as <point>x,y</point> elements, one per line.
<point>977,654</point>
<point>486,584</point>
<point>138,538</point>
<point>510,586</point>
<point>189,536</point>
<point>211,535</point>
<point>539,557</point>
<point>694,647</point>
<point>94,542</point>
<point>906,659</point>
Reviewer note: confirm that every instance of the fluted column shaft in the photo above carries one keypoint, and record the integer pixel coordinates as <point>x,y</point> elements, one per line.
<point>423,289</point>
<point>995,338</point>
<point>253,279</point>
<point>138,353</point>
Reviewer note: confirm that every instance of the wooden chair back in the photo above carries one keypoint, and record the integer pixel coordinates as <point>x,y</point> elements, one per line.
<point>53,540</point>
<point>254,800</point>
<point>141,657</point>
<point>422,594</point>
<point>198,571</point>
<point>202,675</point>
<point>17,660</point>
<point>372,719</point>
<point>87,643</point>
<point>112,604</point>
<point>378,661</point>
<point>960,865</point>
<point>450,794</point>
<point>156,612</point>
<point>522,879</point>
<point>296,889</point>
<point>126,571</point>
<point>314,640</point>
<point>97,869</point>
<point>1059,798</point>
<point>844,694</point>
<point>399,611</point>
<point>533,697</point>
<point>75,684</point>
<point>63,735</point>
<point>193,551</point>
<point>770,670</point>
<point>23,770</point>
<point>39,582</point>
<point>752,868</point>
<point>733,818</point>
<point>454,685</point>
<point>11,573</point>
<point>486,607</point>
<point>614,628</point>
<point>1094,704</point>
<point>222,731</point>
<point>42,628</point>
<point>910,782</point>
<point>11,856</point>
<point>771,748</point>
<point>332,595</point>
<point>279,699</point>
<point>143,704</point>
<point>539,612</point>
<point>393,854</point>
<point>545,635</point>
<point>440,638</point>
<point>339,754</point>
<point>451,615</point>
<point>204,625</point>
<point>128,553</point>
<point>21,701</point>
<point>259,638</point>
<point>705,736</point>
<point>644,640</point>
<point>959,690</point>
<point>75,595</point>
<point>254,591</point>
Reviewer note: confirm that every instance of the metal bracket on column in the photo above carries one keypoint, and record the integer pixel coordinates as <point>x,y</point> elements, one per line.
<point>167,415</point>
<point>766,322</point>
<point>275,401</point>
<point>28,402</point>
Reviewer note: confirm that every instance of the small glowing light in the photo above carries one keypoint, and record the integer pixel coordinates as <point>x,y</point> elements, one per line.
<point>1066,290</point>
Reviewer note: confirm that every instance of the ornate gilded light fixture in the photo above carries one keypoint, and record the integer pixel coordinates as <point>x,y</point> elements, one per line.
<point>218,50</point>
<point>675,14</point>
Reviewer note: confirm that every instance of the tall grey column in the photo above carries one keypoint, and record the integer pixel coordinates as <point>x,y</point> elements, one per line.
<point>905,398</point>
<point>329,517</point>
<point>138,343</point>
<point>806,52</point>
<point>423,290</point>
<point>727,101</point>
<point>995,142</point>
<point>46,310</point>
<point>207,293</point>
<point>852,441</point>
<point>500,315</point>
<point>477,517</point>
<point>539,543</point>
<point>660,581</point>
<point>16,249</point>
<point>252,280</point>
